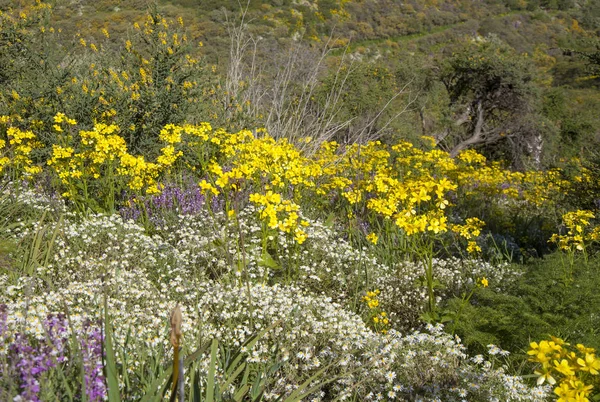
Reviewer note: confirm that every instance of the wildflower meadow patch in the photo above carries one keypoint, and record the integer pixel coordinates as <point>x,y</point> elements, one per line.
<point>147,255</point>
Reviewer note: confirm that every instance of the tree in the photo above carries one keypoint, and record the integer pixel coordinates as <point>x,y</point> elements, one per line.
<point>491,98</point>
<point>591,56</point>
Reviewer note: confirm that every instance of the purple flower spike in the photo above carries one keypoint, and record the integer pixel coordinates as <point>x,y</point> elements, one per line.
<point>91,347</point>
<point>3,319</point>
<point>32,361</point>
<point>185,200</point>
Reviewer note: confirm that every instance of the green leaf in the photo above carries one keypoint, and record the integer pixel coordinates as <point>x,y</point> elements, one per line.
<point>210,381</point>
<point>256,390</point>
<point>428,317</point>
<point>267,261</point>
<point>239,395</point>
<point>446,318</point>
<point>330,220</point>
<point>298,393</point>
<point>196,391</point>
<point>231,377</point>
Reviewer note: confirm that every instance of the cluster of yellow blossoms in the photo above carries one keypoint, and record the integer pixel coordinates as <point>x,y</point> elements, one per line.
<point>272,207</point>
<point>373,238</point>
<point>15,150</point>
<point>101,155</point>
<point>469,231</point>
<point>401,186</point>
<point>579,233</point>
<point>572,370</point>
<point>378,318</point>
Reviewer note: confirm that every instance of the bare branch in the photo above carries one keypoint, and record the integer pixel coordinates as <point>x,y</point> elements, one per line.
<point>477,135</point>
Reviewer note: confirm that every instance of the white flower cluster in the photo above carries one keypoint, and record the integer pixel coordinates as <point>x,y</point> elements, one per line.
<point>309,332</point>
<point>433,366</point>
<point>30,199</point>
<point>214,267</point>
<point>211,244</point>
<point>403,298</point>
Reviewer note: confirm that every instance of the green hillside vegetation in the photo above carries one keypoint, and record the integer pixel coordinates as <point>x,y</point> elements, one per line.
<point>408,44</point>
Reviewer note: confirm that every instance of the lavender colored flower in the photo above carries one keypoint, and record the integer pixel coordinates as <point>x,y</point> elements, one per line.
<point>34,358</point>
<point>217,203</point>
<point>364,226</point>
<point>3,319</point>
<point>131,212</point>
<point>185,200</point>
<point>91,348</point>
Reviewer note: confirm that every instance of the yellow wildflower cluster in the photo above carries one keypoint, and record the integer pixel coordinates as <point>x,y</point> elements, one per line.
<point>469,231</point>
<point>280,214</point>
<point>378,318</point>
<point>100,155</point>
<point>400,185</point>
<point>103,143</point>
<point>156,82</point>
<point>141,174</point>
<point>276,173</point>
<point>373,238</point>
<point>15,149</point>
<point>171,134</point>
<point>573,370</point>
<point>4,160</point>
<point>579,233</point>
<point>60,118</point>
<point>414,187</point>
<point>263,161</point>
<point>24,14</point>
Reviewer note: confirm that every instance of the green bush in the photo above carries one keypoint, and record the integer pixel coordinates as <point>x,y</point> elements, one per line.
<point>537,305</point>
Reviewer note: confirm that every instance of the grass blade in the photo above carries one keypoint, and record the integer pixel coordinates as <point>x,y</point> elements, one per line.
<point>239,396</point>
<point>210,381</point>
<point>231,377</point>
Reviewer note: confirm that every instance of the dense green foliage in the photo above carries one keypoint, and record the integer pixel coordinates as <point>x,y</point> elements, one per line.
<point>392,71</point>
<point>537,305</point>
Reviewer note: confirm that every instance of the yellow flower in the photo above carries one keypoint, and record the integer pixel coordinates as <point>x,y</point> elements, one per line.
<point>580,389</point>
<point>300,236</point>
<point>590,363</point>
<point>564,392</point>
<point>473,247</point>
<point>564,367</point>
<point>484,282</point>
<point>208,188</point>
<point>545,375</point>
<point>373,238</point>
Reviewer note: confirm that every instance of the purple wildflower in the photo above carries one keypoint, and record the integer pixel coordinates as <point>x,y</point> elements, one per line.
<point>91,348</point>
<point>33,360</point>
<point>185,200</point>
<point>3,319</point>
